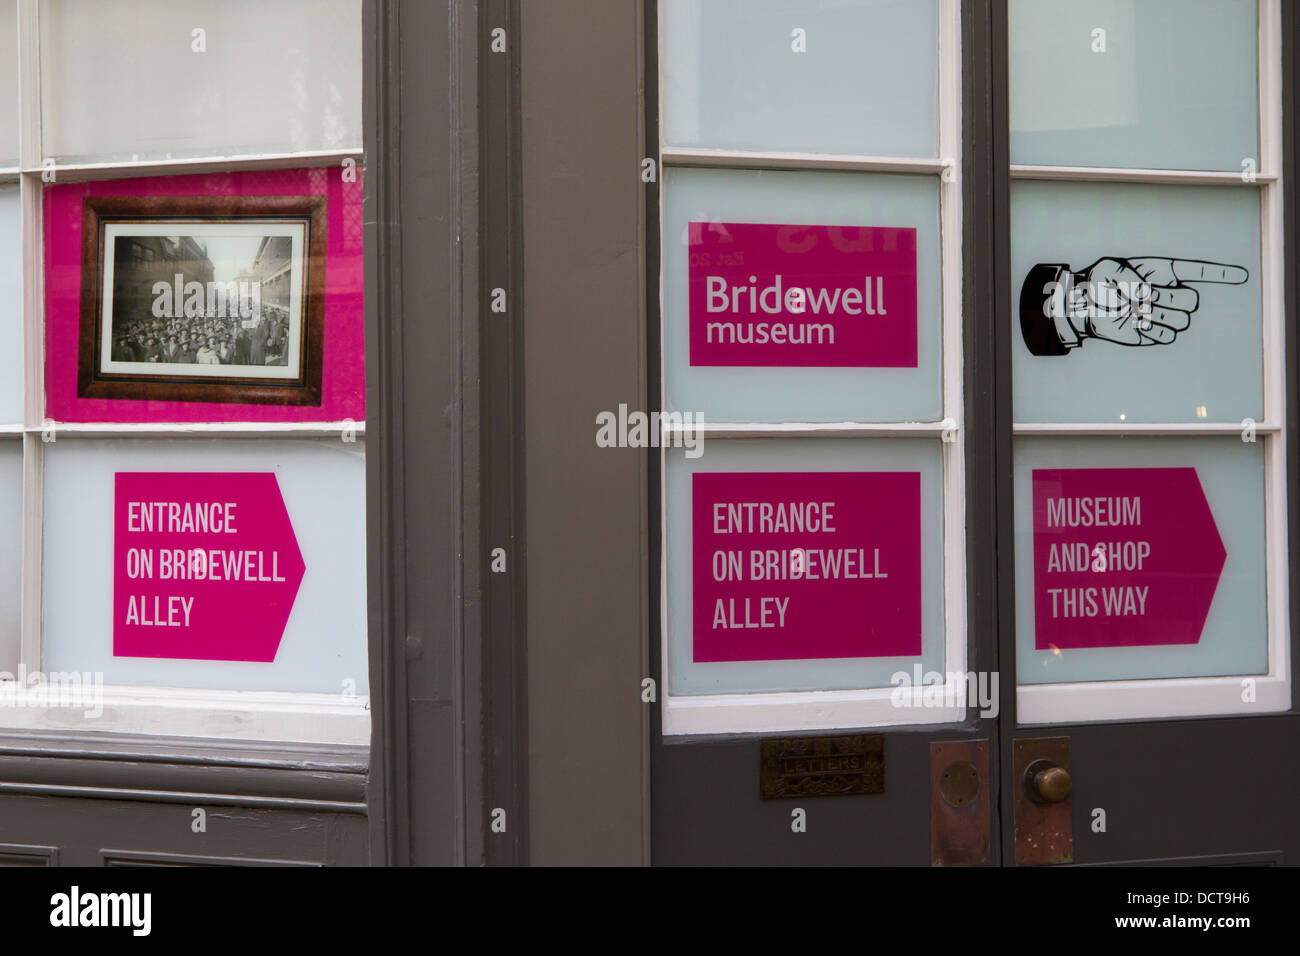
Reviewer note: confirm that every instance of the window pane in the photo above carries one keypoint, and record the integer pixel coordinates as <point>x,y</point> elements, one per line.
<point>9,83</point>
<point>322,484</point>
<point>865,82</point>
<point>867,601</point>
<point>872,356</point>
<point>11,537</point>
<point>11,310</point>
<point>1119,542</point>
<point>1117,318</point>
<point>1156,84</point>
<point>258,78</point>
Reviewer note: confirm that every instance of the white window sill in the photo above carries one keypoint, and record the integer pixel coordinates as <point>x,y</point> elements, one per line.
<point>213,714</point>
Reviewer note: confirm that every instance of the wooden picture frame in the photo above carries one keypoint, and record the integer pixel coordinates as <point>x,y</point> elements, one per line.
<point>251,349</point>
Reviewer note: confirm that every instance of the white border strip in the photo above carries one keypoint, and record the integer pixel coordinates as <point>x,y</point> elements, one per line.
<point>235,715</point>
<point>1149,699</point>
<point>1173,177</point>
<point>796,711</point>
<point>1143,428</point>
<point>747,159</point>
<point>819,430</point>
<point>59,430</point>
<point>80,172</point>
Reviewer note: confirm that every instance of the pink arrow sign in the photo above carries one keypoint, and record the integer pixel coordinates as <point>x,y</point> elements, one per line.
<point>205,566</point>
<point>1123,557</point>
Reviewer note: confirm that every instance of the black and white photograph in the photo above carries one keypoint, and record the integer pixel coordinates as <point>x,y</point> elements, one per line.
<point>219,299</point>
<point>202,299</point>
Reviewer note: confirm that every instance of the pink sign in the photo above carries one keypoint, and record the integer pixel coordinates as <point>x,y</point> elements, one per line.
<point>806,565</point>
<point>1123,557</point>
<point>205,566</point>
<point>786,295</point>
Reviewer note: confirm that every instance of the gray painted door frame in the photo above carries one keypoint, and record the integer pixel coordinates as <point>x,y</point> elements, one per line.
<point>447,566</point>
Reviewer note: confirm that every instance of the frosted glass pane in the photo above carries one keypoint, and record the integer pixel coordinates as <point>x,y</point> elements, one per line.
<point>1160,84</point>
<point>124,79</point>
<point>688,675</point>
<point>1200,359</point>
<point>1170,517</point>
<point>11,319</point>
<point>11,517</point>
<point>811,394</point>
<point>323,486</point>
<point>866,82</point>
<point>9,83</point>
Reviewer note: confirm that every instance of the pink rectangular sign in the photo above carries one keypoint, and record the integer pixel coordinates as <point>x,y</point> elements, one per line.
<point>806,565</point>
<point>787,295</point>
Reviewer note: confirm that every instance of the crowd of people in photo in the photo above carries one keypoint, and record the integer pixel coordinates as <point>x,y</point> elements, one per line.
<point>204,340</point>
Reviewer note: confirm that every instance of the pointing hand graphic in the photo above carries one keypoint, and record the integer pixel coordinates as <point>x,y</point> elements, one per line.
<point>1141,301</point>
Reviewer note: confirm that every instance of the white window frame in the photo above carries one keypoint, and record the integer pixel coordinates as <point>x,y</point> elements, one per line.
<point>183,712</point>
<point>867,707</point>
<point>1109,700</point>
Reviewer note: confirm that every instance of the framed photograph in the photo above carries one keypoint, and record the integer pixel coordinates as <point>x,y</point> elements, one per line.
<point>202,298</point>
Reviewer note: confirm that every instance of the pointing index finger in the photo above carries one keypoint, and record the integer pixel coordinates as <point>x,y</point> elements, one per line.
<point>1197,270</point>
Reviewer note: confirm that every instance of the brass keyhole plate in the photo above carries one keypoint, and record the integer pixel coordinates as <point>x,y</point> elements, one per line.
<point>959,784</point>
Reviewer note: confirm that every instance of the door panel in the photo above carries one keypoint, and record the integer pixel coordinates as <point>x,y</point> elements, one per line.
<point>1152,387</point>
<point>725,725</point>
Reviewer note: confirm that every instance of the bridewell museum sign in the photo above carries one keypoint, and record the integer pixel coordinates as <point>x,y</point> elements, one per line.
<point>792,295</point>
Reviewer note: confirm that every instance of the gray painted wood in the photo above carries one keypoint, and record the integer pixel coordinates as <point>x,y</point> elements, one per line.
<point>423,431</point>
<point>584,319</point>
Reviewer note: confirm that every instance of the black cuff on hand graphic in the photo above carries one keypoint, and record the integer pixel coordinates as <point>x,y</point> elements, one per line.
<point>1134,302</point>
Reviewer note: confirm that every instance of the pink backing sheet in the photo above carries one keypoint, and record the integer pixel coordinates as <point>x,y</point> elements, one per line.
<point>343,372</point>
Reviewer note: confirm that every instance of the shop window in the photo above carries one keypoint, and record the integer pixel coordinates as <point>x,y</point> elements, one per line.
<point>182,404</point>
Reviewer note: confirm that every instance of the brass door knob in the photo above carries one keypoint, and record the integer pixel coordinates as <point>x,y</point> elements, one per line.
<point>1048,783</point>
